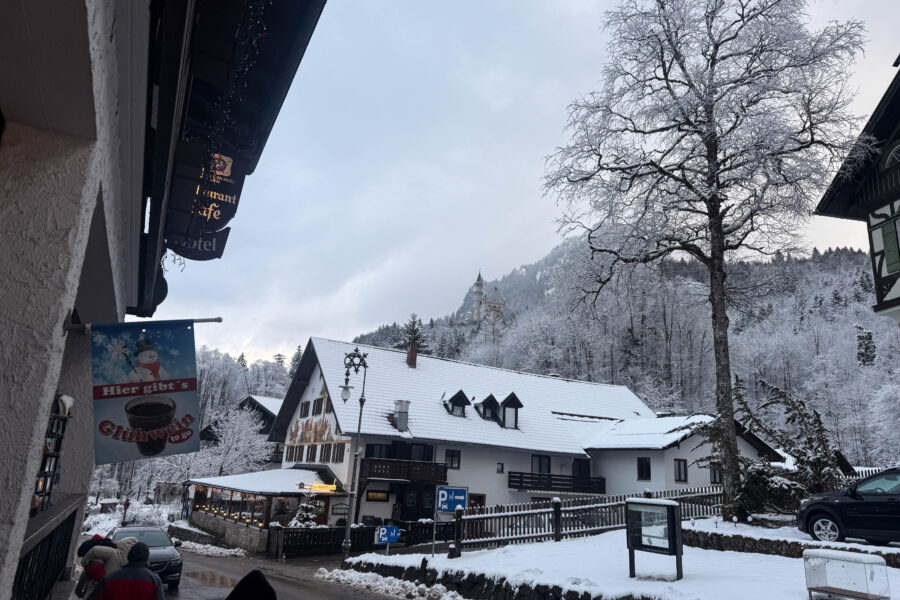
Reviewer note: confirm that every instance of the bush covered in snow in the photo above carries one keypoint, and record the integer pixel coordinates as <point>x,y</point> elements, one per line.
<point>306,515</point>
<point>387,585</point>
<point>768,488</point>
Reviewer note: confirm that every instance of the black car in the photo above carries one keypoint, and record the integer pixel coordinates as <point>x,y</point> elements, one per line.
<point>165,560</point>
<point>869,509</point>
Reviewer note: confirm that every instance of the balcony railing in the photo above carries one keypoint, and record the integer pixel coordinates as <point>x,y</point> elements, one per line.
<point>403,470</point>
<point>556,483</point>
<point>45,549</point>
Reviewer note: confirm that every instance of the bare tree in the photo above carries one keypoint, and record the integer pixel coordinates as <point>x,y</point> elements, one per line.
<point>715,130</point>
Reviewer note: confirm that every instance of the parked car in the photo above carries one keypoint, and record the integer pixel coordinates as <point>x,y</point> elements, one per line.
<point>869,509</point>
<point>165,560</point>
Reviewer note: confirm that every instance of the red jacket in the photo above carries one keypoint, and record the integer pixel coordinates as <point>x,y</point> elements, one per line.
<point>134,581</point>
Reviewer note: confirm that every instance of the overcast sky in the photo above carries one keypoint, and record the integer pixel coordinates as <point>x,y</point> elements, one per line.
<point>409,155</point>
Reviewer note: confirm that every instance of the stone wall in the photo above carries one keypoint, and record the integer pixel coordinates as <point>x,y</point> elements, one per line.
<point>791,549</point>
<point>477,586</point>
<point>189,535</point>
<point>229,533</point>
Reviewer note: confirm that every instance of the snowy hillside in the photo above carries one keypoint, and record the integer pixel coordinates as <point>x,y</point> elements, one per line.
<point>793,324</point>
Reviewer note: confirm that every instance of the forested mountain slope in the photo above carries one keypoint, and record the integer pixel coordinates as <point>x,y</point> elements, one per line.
<point>798,323</point>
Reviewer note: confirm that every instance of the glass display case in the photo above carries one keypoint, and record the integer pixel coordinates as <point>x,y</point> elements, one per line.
<point>846,574</point>
<point>653,525</point>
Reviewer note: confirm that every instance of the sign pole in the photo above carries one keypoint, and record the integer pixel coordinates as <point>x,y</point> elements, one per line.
<point>387,548</point>
<point>433,532</point>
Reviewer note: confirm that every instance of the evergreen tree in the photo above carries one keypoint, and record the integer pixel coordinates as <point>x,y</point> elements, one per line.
<point>414,331</point>
<point>242,360</point>
<point>295,362</point>
<point>803,437</point>
<point>279,358</point>
<point>865,347</point>
<point>306,514</point>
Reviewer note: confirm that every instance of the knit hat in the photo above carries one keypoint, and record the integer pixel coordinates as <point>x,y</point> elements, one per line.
<point>139,553</point>
<point>95,571</point>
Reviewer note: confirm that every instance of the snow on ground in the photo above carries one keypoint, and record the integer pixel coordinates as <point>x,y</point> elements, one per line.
<point>101,524</point>
<point>181,523</point>
<point>151,515</point>
<point>210,550</point>
<point>787,533</point>
<point>599,565</point>
<point>390,586</point>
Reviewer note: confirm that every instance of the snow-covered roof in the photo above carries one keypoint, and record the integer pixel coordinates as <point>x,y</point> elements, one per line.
<point>635,434</point>
<point>273,405</point>
<point>434,380</point>
<point>271,482</point>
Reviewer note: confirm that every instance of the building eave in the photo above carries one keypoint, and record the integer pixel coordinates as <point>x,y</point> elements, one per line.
<point>839,199</point>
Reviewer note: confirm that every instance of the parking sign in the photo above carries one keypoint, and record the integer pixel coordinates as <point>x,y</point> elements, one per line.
<point>387,534</point>
<point>448,499</point>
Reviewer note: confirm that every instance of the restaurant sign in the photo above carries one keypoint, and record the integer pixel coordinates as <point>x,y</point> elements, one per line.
<point>206,246</point>
<point>208,184</point>
<point>145,390</point>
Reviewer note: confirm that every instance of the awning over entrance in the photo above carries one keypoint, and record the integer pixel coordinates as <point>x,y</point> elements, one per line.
<point>275,482</point>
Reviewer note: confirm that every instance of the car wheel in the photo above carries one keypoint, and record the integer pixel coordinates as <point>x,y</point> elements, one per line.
<point>173,585</point>
<point>825,529</point>
<point>879,542</point>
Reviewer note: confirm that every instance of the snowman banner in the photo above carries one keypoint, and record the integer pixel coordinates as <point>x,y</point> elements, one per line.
<point>145,390</point>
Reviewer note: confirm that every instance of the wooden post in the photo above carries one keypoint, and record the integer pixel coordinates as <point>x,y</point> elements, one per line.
<point>557,520</point>
<point>631,562</point>
<point>456,548</point>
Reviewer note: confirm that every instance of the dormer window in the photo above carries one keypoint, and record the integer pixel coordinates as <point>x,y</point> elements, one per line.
<point>510,410</point>
<point>489,409</point>
<point>456,406</point>
<point>510,417</point>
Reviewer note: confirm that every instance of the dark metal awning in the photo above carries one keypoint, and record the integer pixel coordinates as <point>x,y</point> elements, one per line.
<point>219,71</point>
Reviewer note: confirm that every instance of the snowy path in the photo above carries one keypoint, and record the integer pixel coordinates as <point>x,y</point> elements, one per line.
<point>599,565</point>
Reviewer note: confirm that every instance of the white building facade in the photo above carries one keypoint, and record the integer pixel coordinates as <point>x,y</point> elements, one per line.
<point>505,436</point>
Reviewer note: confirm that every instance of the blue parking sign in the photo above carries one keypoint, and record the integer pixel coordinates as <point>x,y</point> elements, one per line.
<point>448,499</point>
<point>387,534</point>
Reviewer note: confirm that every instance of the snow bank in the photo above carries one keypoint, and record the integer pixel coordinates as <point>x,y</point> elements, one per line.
<point>101,524</point>
<point>599,565</point>
<point>182,524</point>
<point>787,533</point>
<point>390,586</point>
<point>210,550</point>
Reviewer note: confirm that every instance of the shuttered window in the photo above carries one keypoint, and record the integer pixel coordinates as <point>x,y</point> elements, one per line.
<point>891,248</point>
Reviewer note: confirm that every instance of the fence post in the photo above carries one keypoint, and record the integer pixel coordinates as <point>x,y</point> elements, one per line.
<point>456,549</point>
<point>557,520</point>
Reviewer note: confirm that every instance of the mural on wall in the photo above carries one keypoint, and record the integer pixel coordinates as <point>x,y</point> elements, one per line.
<point>316,429</point>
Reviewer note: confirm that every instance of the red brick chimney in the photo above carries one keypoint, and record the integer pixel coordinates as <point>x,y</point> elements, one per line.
<point>412,354</point>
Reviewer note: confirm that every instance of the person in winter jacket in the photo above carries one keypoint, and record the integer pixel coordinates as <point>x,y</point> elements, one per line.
<point>134,581</point>
<point>110,557</point>
<point>254,586</point>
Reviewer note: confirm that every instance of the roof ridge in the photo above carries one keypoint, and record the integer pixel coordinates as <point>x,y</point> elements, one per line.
<point>462,362</point>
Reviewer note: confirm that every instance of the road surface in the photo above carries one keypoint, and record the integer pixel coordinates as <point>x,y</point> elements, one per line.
<point>209,578</point>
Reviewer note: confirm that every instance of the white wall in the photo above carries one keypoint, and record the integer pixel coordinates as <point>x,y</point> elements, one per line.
<point>65,241</point>
<point>303,431</point>
<point>478,471</point>
<point>619,467</point>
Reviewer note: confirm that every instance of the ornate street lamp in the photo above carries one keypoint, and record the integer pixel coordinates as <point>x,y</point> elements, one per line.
<point>356,361</point>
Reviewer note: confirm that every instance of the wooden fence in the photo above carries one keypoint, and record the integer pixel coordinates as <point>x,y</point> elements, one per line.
<point>575,517</point>
<point>297,541</point>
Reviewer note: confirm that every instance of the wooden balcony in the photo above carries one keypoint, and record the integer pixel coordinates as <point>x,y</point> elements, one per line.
<point>414,471</point>
<point>556,483</point>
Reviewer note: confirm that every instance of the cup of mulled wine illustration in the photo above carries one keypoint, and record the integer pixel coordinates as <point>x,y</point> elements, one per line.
<point>151,414</point>
<point>147,367</point>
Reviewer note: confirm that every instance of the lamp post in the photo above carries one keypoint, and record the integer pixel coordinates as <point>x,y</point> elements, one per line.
<point>356,361</point>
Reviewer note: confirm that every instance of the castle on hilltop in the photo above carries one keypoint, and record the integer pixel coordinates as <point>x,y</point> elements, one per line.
<point>490,306</point>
